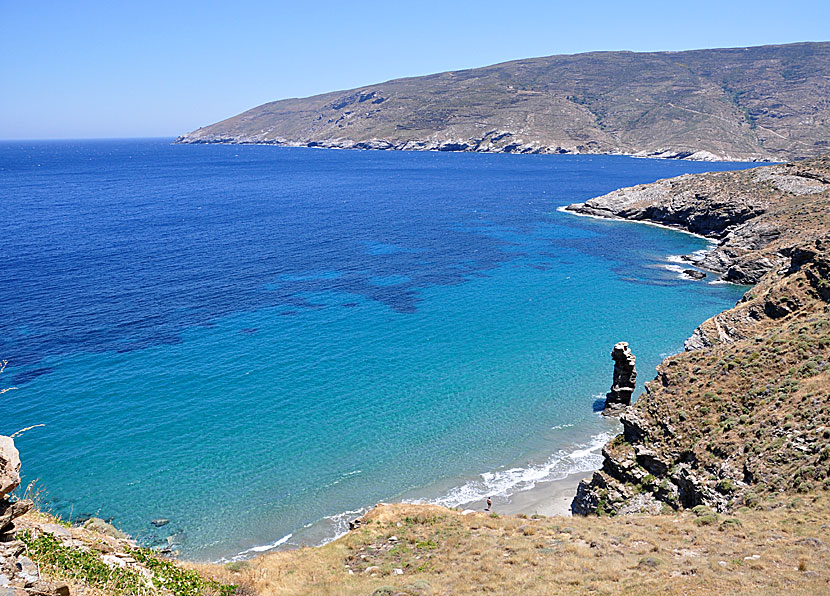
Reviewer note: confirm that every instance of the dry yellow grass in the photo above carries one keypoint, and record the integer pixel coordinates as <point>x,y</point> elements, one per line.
<point>781,548</point>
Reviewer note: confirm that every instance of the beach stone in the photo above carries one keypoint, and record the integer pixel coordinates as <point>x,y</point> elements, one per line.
<point>625,377</point>
<point>9,466</point>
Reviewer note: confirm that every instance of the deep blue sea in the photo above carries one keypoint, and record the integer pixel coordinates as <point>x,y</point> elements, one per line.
<point>255,341</point>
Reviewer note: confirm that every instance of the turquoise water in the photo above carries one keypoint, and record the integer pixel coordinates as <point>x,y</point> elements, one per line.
<point>254,342</point>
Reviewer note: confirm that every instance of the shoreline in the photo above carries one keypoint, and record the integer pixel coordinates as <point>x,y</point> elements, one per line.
<point>712,241</point>
<point>550,498</point>
<point>667,155</point>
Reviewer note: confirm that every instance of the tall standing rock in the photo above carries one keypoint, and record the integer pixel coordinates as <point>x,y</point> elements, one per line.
<point>625,377</point>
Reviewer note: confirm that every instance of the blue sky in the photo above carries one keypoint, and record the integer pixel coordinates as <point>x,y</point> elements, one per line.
<point>84,69</point>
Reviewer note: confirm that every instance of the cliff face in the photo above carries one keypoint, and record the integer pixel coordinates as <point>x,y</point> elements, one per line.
<point>768,102</point>
<point>746,409</point>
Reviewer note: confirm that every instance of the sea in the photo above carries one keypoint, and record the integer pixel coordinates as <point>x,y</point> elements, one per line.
<point>258,343</point>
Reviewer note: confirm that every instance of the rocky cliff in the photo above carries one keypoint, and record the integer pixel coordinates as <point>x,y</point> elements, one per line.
<point>746,409</point>
<point>768,102</point>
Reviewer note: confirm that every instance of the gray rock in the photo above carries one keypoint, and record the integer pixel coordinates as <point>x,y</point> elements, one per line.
<point>162,521</point>
<point>625,376</point>
<point>9,511</point>
<point>27,571</point>
<point>9,466</point>
<point>810,542</point>
<point>56,530</point>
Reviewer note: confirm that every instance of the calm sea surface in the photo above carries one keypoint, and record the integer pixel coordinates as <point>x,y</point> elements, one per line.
<point>255,341</point>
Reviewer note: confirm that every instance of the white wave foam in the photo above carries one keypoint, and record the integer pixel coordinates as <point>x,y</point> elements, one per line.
<point>257,549</point>
<point>340,522</point>
<point>561,426</point>
<point>504,483</point>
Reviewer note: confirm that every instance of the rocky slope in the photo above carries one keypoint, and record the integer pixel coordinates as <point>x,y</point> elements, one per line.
<point>746,409</point>
<point>768,102</point>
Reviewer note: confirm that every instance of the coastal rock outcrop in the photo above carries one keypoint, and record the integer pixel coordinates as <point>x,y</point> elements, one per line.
<point>625,378</point>
<point>745,411</point>
<point>748,214</point>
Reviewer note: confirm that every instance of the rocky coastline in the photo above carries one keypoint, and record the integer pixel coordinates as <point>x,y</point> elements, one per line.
<point>745,410</point>
<point>491,142</point>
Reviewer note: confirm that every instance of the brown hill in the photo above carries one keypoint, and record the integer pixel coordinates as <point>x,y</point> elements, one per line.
<point>768,102</point>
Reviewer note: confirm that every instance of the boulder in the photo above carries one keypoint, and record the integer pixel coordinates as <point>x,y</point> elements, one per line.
<point>9,511</point>
<point>98,525</point>
<point>9,466</point>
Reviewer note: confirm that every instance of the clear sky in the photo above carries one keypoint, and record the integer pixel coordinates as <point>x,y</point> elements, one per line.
<point>123,68</point>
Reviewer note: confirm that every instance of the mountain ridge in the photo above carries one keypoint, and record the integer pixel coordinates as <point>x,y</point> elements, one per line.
<point>756,103</point>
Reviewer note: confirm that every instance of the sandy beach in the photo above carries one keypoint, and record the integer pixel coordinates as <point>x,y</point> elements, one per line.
<point>546,498</point>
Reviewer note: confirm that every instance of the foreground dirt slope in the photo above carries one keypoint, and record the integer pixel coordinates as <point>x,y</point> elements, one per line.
<point>780,548</point>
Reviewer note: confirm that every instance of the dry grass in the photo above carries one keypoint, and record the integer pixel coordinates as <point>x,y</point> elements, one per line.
<point>781,548</point>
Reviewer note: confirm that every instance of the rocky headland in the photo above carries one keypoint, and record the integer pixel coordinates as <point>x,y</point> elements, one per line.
<point>745,411</point>
<point>757,103</point>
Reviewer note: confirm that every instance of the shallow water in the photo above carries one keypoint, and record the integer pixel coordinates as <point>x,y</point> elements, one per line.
<point>251,341</point>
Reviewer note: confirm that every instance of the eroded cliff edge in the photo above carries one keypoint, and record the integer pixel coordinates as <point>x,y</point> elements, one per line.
<point>746,409</point>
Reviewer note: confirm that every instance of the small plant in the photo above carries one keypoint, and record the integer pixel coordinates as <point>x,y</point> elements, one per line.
<point>706,520</point>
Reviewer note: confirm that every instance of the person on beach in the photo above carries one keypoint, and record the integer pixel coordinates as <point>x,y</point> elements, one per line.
<point>489,504</point>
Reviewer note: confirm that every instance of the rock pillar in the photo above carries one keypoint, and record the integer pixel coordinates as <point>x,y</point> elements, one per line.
<point>625,377</point>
